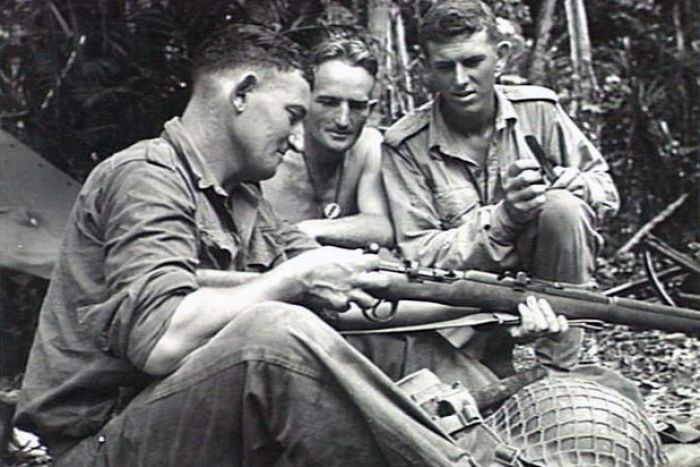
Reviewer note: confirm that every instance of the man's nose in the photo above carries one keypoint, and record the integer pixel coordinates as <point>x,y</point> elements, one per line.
<point>461,75</point>
<point>342,117</point>
<point>296,138</point>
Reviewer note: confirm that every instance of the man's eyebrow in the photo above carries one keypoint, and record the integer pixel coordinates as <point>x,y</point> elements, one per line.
<point>474,58</point>
<point>445,62</point>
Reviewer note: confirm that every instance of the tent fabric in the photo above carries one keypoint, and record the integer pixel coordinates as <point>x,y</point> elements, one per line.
<point>35,200</point>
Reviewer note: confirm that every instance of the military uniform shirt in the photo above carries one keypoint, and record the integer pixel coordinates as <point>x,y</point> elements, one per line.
<point>144,222</point>
<point>447,211</point>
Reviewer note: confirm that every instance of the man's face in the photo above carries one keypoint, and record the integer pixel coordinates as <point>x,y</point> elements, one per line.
<point>340,105</point>
<point>272,123</point>
<point>464,71</point>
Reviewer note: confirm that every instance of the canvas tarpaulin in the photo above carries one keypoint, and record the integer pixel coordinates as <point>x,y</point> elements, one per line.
<point>35,200</point>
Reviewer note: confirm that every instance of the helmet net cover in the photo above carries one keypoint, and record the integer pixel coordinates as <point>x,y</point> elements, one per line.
<point>568,422</point>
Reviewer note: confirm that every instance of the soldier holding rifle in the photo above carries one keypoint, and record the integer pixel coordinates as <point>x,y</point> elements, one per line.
<point>332,191</point>
<point>465,189</point>
<point>135,363</point>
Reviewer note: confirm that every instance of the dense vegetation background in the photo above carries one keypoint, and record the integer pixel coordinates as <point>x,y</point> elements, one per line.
<point>81,79</point>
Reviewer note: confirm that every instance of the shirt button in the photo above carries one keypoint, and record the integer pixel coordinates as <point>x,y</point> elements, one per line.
<point>101,439</point>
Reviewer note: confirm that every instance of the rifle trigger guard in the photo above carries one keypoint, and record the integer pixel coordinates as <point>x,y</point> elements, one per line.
<point>372,314</point>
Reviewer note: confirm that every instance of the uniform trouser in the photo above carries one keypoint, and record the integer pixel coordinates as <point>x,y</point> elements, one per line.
<point>277,386</point>
<point>561,243</point>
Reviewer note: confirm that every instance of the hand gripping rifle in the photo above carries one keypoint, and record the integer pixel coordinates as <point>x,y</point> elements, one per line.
<point>503,293</point>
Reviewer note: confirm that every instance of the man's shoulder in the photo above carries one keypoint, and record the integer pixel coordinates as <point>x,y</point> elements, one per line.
<point>368,143</point>
<point>146,158</point>
<point>528,93</point>
<point>155,151</point>
<point>409,125</point>
<point>369,136</point>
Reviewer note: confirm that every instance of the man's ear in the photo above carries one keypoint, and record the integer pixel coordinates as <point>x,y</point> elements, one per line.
<point>372,104</point>
<point>503,49</point>
<point>239,93</point>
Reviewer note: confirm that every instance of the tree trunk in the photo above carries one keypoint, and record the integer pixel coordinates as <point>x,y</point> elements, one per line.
<point>681,20</point>
<point>536,73</point>
<point>584,81</point>
<point>585,91</point>
<point>379,26</point>
<point>378,13</point>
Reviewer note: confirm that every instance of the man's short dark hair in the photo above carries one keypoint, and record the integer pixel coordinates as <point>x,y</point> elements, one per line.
<point>354,50</point>
<point>447,19</point>
<point>241,45</point>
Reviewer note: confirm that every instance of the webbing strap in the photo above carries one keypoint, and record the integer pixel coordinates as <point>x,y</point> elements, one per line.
<point>507,455</point>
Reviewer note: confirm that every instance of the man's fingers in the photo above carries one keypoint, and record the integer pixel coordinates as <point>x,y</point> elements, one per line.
<point>525,179</point>
<point>565,177</point>
<point>526,322</point>
<point>520,165</point>
<point>371,280</point>
<point>362,298</point>
<point>539,321</point>
<point>563,323</point>
<point>529,192</point>
<point>332,300</point>
<point>552,322</point>
<point>537,318</point>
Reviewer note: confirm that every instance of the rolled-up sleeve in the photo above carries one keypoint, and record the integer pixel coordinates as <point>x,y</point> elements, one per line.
<point>150,245</point>
<point>483,238</point>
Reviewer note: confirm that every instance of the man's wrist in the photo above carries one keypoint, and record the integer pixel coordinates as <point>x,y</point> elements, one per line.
<point>289,281</point>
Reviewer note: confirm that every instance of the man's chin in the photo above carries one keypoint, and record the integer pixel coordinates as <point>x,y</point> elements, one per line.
<point>464,105</point>
<point>340,144</point>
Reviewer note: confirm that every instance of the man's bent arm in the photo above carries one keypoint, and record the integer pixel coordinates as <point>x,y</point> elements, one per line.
<point>484,237</point>
<point>207,310</point>
<point>569,147</point>
<point>354,231</point>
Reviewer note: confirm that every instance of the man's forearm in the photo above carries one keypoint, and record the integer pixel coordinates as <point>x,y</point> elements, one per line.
<point>350,232</point>
<point>206,311</point>
<point>222,279</point>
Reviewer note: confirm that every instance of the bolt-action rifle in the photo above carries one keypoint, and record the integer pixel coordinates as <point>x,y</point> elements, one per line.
<point>461,298</point>
<point>502,293</point>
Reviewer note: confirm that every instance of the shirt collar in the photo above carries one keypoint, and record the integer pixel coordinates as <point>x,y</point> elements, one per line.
<point>177,134</point>
<point>504,109</point>
<point>440,135</point>
<point>244,198</point>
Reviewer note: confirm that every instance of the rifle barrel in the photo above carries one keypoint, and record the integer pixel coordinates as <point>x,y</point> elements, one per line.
<point>491,293</point>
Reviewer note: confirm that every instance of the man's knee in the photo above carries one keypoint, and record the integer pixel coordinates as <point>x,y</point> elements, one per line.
<point>274,323</point>
<point>564,210</point>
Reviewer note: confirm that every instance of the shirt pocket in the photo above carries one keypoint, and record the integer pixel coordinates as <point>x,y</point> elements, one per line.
<point>454,203</point>
<point>217,248</point>
<point>266,250</point>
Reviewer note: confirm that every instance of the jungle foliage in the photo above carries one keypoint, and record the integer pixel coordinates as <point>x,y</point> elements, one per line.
<point>82,79</point>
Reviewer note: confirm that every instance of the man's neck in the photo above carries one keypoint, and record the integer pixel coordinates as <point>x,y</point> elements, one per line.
<point>470,123</point>
<point>211,144</point>
<point>321,159</point>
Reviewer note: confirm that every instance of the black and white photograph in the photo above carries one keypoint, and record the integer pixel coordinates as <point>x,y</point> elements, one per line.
<point>350,233</point>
